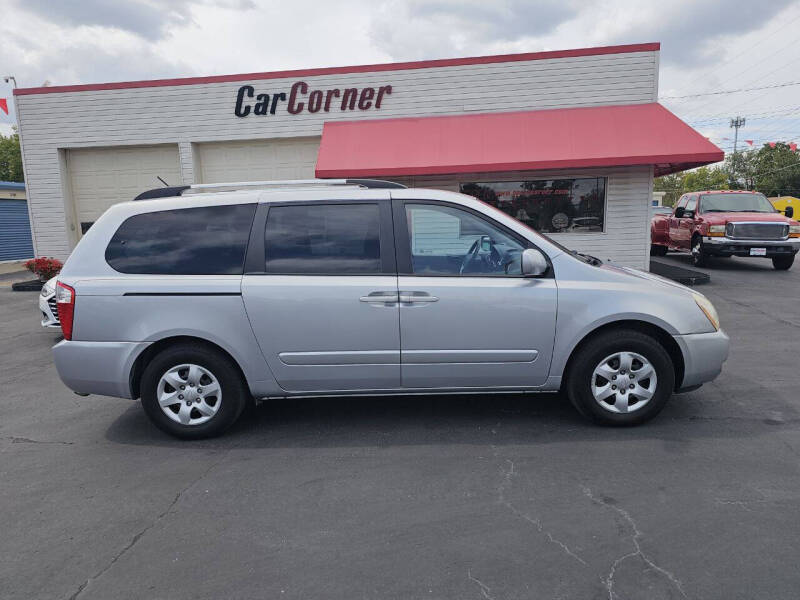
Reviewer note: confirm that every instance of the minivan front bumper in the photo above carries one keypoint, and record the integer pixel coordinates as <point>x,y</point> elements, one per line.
<point>102,368</point>
<point>703,355</point>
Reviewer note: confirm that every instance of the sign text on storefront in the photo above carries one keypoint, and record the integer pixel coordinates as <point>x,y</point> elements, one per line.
<point>299,99</point>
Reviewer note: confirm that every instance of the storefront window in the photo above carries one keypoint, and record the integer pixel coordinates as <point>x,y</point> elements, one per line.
<point>548,205</point>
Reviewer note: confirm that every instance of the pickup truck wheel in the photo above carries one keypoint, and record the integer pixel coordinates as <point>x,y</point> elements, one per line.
<point>783,263</point>
<point>621,377</point>
<point>699,257</point>
<point>192,392</point>
<point>656,250</point>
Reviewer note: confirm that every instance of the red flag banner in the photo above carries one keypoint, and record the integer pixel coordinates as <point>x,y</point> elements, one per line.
<point>749,142</point>
<point>4,105</point>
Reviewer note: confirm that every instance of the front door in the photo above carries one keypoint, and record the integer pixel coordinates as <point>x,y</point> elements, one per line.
<point>686,224</point>
<point>324,304</point>
<point>468,318</point>
<point>675,224</point>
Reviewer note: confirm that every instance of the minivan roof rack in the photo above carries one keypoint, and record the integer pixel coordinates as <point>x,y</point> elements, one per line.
<point>199,188</point>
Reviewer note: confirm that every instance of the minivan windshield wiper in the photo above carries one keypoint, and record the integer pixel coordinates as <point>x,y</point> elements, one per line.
<point>588,258</point>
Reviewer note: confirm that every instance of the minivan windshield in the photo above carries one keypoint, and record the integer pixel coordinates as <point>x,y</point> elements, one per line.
<point>736,203</point>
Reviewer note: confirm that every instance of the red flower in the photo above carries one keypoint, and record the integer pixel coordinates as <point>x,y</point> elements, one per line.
<point>44,267</point>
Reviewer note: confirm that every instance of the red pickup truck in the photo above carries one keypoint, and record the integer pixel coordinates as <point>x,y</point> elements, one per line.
<point>727,223</point>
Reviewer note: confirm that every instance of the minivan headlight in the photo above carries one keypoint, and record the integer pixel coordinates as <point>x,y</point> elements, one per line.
<point>708,309</point>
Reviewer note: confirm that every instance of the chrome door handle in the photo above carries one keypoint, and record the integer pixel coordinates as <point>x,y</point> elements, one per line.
<point>412,297</point>
<point>382,297</point>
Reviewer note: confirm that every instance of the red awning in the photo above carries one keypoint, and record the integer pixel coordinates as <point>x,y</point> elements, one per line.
<point>567,138</point>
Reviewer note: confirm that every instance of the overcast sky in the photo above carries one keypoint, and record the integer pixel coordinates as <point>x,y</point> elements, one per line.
<point>706,45</point>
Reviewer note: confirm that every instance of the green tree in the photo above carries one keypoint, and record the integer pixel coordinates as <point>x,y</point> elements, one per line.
<point>10,158</point>
<point>671,184</point>
<point>773,171</point>
<point>704,178</point>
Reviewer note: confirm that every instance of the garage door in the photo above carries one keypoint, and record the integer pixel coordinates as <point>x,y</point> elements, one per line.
<point>15,230</point>
<point>100,177</point>
<point>257,160</point>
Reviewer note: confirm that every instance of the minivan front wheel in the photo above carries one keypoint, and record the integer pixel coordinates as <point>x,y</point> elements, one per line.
<point>621,377</point>
<point>192,391</point>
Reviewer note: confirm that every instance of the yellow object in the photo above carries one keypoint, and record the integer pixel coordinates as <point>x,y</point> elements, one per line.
<point>781,202</point>
<point>716,230</point>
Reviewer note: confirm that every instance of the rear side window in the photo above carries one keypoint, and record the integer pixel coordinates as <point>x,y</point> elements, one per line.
<point>208,240</point>
<point>323,239</point>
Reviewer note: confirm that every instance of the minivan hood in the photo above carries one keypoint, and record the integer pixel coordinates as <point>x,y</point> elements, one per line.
<point>657,279</point>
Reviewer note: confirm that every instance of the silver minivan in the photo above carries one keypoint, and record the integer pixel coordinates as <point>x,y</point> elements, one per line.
<point>200,299</point>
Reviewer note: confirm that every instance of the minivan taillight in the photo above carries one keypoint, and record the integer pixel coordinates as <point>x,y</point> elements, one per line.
<point>65,302</point>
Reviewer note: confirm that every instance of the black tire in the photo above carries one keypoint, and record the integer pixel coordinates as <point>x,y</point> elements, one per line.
<point>783,263</point>
<point>656,250</point>
<point>591,354</point>
<point>699,256</point>
<point>234,392</point>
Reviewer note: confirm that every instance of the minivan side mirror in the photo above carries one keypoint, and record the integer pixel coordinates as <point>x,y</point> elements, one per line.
<point>533,263</point>
<point>679,212</point>
<point>789,212</point>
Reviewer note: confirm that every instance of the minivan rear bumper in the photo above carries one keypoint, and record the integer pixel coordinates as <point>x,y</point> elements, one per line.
<point>703,355</point>
<point>97,367</point>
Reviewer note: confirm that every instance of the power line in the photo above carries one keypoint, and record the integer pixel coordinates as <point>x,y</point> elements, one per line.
<point>766,87</point>
<point>776,114</point>
<point>750,82</point>
<point>726,115</point>
<point>753,99</point>
<point>763,132</point>
<point>749,49</point>
<point>797,164</point>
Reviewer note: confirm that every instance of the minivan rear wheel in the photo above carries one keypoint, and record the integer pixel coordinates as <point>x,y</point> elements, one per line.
<point>620,377</point>
<point>192,391</point>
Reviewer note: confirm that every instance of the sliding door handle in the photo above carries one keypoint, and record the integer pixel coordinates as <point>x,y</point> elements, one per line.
<point>380,297</point>
<point>414,297</point>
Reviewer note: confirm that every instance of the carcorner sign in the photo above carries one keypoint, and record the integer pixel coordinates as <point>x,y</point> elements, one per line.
<point>299,100</point>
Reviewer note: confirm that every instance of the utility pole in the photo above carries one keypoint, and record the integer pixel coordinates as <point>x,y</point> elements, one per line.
<point>735,124</point>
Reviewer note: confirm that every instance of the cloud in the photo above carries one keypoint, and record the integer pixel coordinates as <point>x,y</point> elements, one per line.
<point>149,19</point>
<point>690,33</point>
<point>414,29</point>
<point>64,61</point>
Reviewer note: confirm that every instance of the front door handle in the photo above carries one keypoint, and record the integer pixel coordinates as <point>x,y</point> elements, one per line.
<point>382,297</point>
<point>413,297</point>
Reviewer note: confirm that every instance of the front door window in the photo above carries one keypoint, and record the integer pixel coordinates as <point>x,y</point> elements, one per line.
<point>449,241</point>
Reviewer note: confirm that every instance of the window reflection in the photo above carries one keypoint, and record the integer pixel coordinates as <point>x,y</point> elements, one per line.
<point>548,205</point>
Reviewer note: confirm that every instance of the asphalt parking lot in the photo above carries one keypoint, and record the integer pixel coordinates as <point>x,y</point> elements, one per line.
<point>494,497</point>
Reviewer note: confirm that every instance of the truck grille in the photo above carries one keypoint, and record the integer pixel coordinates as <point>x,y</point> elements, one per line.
<point>757,231</point>
<point>53,308</point>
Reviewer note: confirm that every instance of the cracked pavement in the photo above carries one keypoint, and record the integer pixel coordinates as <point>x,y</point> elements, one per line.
<point>492,497</point>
